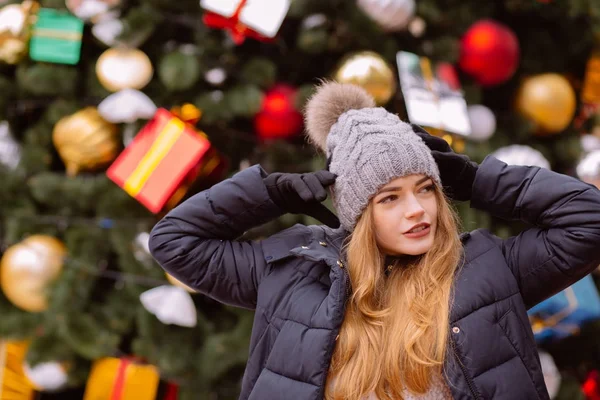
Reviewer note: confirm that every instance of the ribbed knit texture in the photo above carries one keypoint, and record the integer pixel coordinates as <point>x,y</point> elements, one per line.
<point>368,148</point>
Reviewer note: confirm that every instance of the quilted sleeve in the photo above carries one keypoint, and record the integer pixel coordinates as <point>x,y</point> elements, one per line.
<point>563,244</point>
<point>195,242</point>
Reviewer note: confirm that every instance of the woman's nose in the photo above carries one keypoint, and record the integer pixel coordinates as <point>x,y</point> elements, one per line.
<point>413,208</point>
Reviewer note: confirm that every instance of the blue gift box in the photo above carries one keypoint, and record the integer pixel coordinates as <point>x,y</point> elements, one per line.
<point>563,314</point>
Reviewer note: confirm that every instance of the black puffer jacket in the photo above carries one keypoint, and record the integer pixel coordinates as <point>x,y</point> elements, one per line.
<point>297,282</point>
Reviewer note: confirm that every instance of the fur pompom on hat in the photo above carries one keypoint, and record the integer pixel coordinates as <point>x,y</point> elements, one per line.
<point>366,146</point>
<point>326,106</point>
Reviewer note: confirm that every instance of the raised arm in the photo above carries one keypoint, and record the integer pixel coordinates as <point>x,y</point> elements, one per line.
<point>564,243</point>
<point>195,242</point>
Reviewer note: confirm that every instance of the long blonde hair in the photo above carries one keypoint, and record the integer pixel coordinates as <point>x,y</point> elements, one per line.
<point>395,331</point>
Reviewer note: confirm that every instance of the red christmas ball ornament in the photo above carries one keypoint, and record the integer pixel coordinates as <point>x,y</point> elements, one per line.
<point>591,386</point>
<point>489,51</point>
<point>279,118</point>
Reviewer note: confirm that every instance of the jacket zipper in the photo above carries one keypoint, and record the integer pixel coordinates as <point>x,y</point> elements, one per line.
<point>348,290</point>
<point>337,331</point>
<point>464,370</point>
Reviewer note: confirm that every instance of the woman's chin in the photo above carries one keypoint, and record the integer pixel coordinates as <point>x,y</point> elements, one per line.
<point>414,249</point>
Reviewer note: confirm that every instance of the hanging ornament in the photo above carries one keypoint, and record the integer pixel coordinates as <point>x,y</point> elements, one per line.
<point>257,19</point>
<point>370,71</point>
<point>482,121</point>
<point>108,29</point>
<point>489,51</point>
<point>588,169</point>
<point>91,10</point>
<point>120,68</point>
<point>391,15</point>
<point>14,385</point>
<point>278,117</point>
<point>10,151</point>
<point>517,154</point>
<point>552,376</point>
<point>591,386</point>
<point>127,105</point>
<point>548,100</point>
<point>47,376</point>
<point>28,267</point>
<point>172,305</point>
<point>85,141</point>
<point>176,282</point>
<point>15,30</point>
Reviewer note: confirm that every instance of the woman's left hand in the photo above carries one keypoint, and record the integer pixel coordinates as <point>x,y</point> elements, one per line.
<point>457,171</point>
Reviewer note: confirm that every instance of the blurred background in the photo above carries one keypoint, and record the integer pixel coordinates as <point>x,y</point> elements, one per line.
<point>114,111</point>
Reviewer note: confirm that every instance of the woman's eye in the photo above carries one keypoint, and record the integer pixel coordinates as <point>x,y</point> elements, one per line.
<point>388,199</point>
<point>428,188</point>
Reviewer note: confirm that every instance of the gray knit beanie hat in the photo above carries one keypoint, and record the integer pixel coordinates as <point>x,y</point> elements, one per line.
<point>366,146</point>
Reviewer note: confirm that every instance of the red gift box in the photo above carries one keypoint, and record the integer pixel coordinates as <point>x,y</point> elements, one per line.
<point>162,159</point>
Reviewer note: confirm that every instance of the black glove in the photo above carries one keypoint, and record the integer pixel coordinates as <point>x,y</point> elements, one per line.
<point>302,194</point>
<point>457,171</point>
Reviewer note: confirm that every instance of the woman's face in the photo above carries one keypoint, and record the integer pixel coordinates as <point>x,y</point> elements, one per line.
<point>405,215</point>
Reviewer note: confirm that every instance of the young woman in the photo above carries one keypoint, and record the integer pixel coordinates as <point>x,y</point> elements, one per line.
<point>394,304</point>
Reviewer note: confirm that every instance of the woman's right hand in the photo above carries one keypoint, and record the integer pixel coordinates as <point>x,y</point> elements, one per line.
<point>302,194</point>
<point>457,171</point>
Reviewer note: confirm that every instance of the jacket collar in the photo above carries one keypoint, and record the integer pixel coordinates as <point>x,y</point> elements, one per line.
<point>319,243</point>
<point>324,244</point>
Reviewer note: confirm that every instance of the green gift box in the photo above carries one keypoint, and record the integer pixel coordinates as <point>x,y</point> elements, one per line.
<point>56,37</point>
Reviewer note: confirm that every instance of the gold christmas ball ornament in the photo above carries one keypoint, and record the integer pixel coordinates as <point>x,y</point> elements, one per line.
<point>370,71</point>
<point>548,100</point>
<point>120,68</point>
<point>85,141</point>
<point>15,29</point>
<point>28,267</point>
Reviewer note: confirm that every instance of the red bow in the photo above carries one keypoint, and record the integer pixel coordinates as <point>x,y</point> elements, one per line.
<point>238,31</point>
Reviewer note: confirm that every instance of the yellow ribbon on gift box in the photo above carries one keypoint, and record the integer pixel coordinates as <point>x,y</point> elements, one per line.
<point>159,149</point>
<point>54,34</point>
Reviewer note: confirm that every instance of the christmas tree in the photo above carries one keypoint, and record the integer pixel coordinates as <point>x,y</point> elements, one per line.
<point>95,93</point>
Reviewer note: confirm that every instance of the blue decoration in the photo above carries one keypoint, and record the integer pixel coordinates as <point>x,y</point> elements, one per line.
<point>563,314</point>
